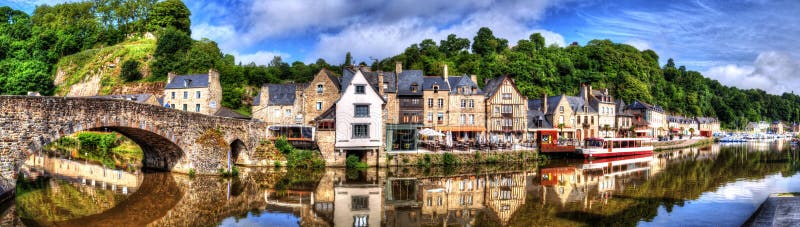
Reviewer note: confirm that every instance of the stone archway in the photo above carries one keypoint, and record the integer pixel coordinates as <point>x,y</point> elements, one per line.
<point>236,153</point>
<point>159,153</point>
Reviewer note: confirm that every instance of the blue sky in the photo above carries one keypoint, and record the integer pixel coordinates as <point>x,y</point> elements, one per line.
<point>748,44</point>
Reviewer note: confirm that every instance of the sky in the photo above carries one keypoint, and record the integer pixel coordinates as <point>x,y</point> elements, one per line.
<point>747,43</point>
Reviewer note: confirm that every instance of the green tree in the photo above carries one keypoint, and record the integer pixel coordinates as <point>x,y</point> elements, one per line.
<point>130,71</point>
<point>348,59</point>
<point>170,13</point>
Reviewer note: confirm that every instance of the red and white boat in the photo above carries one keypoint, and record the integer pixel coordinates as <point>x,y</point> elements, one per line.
<point>614,147</point>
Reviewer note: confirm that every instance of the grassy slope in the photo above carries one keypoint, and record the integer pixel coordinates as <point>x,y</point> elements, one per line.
<point>85,64</point>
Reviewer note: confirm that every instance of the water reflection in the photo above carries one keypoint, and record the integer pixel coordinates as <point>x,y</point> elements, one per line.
<point>666,188</point>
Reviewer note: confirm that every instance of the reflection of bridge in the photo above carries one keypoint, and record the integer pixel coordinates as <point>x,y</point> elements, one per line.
<point>79,171</point>
<point>171,139</point>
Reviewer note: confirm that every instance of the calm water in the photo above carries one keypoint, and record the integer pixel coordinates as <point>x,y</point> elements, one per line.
<point>718,185</point>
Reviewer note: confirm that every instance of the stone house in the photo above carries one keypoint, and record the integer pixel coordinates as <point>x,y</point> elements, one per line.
<point>679,125</point>
<point>506,111</point>
<point>319,95</point>
<point>586,117</point>
<point>466,119</point>
<point>650,119</point>
<point>277,104</point>
<point>707,126</point>
<point>359,119</point>
<point>201,93</point>
<point>758,127</point>
<point>435,92</point>
<point>551,112</point>
<point>603,102</point>
<point>777,127</point>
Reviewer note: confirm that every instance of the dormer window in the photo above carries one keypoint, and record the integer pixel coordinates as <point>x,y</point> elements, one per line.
<point>435,88</point>
<point>414,87</point>
<point>186,83</point>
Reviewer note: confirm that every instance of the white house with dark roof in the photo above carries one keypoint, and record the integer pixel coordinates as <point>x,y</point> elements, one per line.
<point>359,119</point>
<point>201,93</point>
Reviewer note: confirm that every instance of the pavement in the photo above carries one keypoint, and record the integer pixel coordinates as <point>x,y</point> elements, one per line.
<point>781,209</point>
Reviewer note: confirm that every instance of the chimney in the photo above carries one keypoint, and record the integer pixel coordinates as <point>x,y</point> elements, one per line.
<point>213,75</point>
<point>474,78</point>
<point>380,82</point>
<point>544,103</point>
<point>445,72</point>
<point>398,68</point>
<point>584,93</point>
<point>170,76</point>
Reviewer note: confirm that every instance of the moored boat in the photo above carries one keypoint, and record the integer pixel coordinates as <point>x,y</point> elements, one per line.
<point>614,147</point>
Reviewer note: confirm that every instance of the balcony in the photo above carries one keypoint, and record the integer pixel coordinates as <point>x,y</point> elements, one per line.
<point>507,114</point>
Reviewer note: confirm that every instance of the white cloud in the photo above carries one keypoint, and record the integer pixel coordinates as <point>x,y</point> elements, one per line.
<point>550,37</point>
<point>259,57</point>
<point>773,72</point>
<point>639,44</point>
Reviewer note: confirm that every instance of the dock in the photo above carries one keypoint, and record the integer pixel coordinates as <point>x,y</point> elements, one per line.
<point>780,209</point>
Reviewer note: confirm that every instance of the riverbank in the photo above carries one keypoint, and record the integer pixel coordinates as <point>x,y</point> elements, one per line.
<point>670,145</point>
<point>452,159</point>
<point>780,209</point>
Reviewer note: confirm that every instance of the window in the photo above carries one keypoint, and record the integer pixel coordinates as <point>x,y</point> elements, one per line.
<point>561,119</point>
<point>173,95</point>
<point>361,131</point>
<point>430,102</point>
<point>360,89</point>
<point>430,116</point>
<point>471,103</point>
<point>277,112</point>
<point>361,220</point>
<point>463,103</point>
<point>197,94</point>
<point>319,105</point>
<point>415,101</point>
<point>507,109</point>
<point>360,202</point>
<point>506,95</point>
<point>508,122</point>
<point>561,109</point>
<point>288,113</point>
<point>173,106</point>
<point>497,109</point>
<point>197,108</point>
<point>320,88</point>
<point>440,103</point>
<point>472,119</point>
<point>185,107</point>
<point>185,95</point>
<point>435,88</point>
<point>414,87</point>
<point>385,85</point>
<point>362,111</point>
<point>440,117</point>
<point>462,119</point>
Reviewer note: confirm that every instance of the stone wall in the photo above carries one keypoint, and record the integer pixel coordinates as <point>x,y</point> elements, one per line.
<point>168,137</point>
<point>330,93</point>
<point>416,159</point>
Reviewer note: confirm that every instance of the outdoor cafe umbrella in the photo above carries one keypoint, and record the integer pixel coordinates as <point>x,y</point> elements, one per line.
<point>449,139</point>
<point>430,132</point>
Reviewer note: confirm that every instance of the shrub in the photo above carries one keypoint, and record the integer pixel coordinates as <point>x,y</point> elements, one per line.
<point>449,159</point>
<point>492,159</point>
<point>191,172</point>
<point>427,158</point>
<point>283,145</point>
<point>232,173</point>
<point>405,160</point>
<point>304,159</point>
<point>130,71</point>
<point>355,162</point>
<point>276,163</point>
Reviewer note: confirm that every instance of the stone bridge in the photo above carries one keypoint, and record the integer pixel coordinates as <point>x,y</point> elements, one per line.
<point>172,140</point>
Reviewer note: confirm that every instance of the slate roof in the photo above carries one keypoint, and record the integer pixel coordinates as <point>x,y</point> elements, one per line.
<point>552,103</point>
<point>281,94</point>
<point>680,119</point>
<point>257,99</point>
<point>406,79</point>
<point>492,85</point>
<point>620,107</point>
<point>577,104</point>
<point>637,105</point>
<point>391,79</point>
<point>196,81</point>
<point>349,73</point>
<point>704,120</point>
<point>429,81</point>
<point>534,116</point>
<point>333,78</point>
<point>225,112</point>
<point>463,81</point>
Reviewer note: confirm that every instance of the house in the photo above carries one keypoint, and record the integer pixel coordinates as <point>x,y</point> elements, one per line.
<point>682,126</point>
<point>319,95</point>
<point>277,104</point>
<point>586,117</point>
<point>603,103</point>
<point>554,112</point>
<point>201,93</point>
<point>758,127</point>
<point>359,119</point>
<point>622,120</point>
<point>410,111</point>
<point>649,119</point>
<point>707,126</point>
<point>435,92</point>
<point>795,127</point>
<point>777,127</point>
<point>139,98</point>
<point>467,111</point>
<point>506,111</point>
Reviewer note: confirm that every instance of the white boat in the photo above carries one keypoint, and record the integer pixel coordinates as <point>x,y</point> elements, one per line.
<point>613,147</point>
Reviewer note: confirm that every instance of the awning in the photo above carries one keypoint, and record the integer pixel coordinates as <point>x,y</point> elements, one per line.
<point>461,128</point>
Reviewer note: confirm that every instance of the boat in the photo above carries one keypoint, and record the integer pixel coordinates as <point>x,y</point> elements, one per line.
<point>614,147</point>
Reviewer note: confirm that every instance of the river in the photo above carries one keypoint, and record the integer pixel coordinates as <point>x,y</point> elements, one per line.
<point>719,185</point>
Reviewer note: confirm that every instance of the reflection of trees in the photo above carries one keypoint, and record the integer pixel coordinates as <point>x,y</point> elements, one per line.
<point>681,181</point>
<point>45,199</point>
